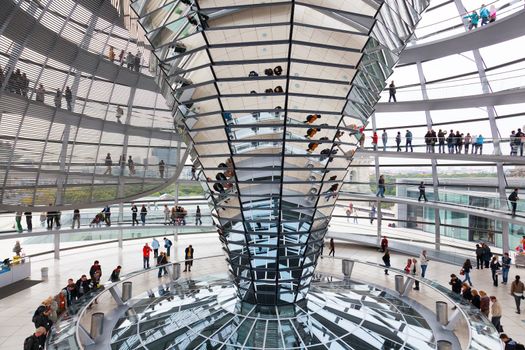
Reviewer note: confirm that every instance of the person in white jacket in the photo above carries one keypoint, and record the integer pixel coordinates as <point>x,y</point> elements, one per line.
<point>423,258</point>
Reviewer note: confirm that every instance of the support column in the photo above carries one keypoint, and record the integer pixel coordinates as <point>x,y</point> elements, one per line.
<point>435,180</point>
<point>496,137</point>
<point>56,245</point>
<point>377,173</point>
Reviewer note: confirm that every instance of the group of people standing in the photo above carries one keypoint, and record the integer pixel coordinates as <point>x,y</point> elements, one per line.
<point>122,162</point>
<point>485,15</point>
<point>53,307</point>
<point>162,257</point>
<point>132,61</point>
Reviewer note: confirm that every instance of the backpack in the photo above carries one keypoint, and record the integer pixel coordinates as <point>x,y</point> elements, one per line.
<point>28,343</point>
<point>519,346</point>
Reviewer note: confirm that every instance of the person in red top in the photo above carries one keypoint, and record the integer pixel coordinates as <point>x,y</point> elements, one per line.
<point>146,250</point>
<point>375,138</point>
<point>384,244</point>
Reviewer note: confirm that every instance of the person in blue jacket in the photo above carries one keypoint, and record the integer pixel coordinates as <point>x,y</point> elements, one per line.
<point>484,14</point>
<point>474,19</point>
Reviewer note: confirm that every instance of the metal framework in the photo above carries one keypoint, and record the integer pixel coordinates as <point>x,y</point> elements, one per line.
<point>56,156</point>
<point>262,85</point>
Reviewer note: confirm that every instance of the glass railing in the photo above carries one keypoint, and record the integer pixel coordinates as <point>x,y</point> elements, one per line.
<point>481,333</point>
<point>74,329</point>
<point>71,329</point>
<point>508,146</point>
<point>446,27</point>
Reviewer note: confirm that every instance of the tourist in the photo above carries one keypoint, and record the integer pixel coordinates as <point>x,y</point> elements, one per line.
<point>107,215</point>
<point>509,343</point>
<point>130,60</point>
<point>121,57</point>
<point>484,14</point>
<point>167,215</point>
<point>71,291</point>
<point>372,214</point>
<point>479,144</point>
<point>423,258</point>
<point>386,260</point>
<point>516,289</point>
<point>111,54</point>
<point>441,140</point>
<point>408,141</point>
<point>384,244</point>
<point>450,142</point>
<point>476,299</point>
<point>492,14</point>
<point>514,198</point>
<point>465,270</point>
<point>76,218</point>
<point>161,261</point>
<point>479,256</point>
<point>415,272</point>
<point>422,193</point>
<point>36,341</point>
<point>381,187</point>
<point>473,20</point>
<point>17,249</point>
<point>505,267</point>
<point>143,213</point>
<point>331,245</point>
<point>24,85</point>
<point>95,268</point>
<point>487,254</point>
<point>392,92</point>
<point>494,267</point>
<point>455,284</point>
<point>466,292</point>
<point>467,140</point>
<point>193,172</point>
<point>384,138</point>
<point>167,245</point>
<point>40,93</point>
<point>374,141</point>
<point>162,167</point>
<point>82,286</point>
<point>146,250</point>
<point>495,310</point>
<point>198,220</point>
<point>155,245</point>
<point>58,99</point>
<point>69,99</point>
<point>131,166</point>
<point>398,141</point>
<point>484,303</point>
<point>188,258</point>
<point>134,211</point>
<point>115,274</point>
<point>18,221</point>
<point>108,163</point>
<point>119,114</point>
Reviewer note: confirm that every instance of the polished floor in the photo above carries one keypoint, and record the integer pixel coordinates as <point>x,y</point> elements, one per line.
<point>17,309</point>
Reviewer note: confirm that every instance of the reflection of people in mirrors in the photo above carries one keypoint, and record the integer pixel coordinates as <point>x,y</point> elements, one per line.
<point>311,118</point>
<point>311,132</point>
<point>332,192</point>
<point>312,146</point>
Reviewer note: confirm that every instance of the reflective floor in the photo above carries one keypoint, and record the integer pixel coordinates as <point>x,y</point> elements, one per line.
<point>205,313</point>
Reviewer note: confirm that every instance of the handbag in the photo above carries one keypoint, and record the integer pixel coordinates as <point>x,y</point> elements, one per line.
<point>462,272</point>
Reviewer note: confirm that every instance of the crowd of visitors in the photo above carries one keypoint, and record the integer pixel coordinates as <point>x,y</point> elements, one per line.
<point>132,61</point>
<point>55,306</point>
<point>485,15</point>
<point>461,284</point>
<point>130,163</point>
